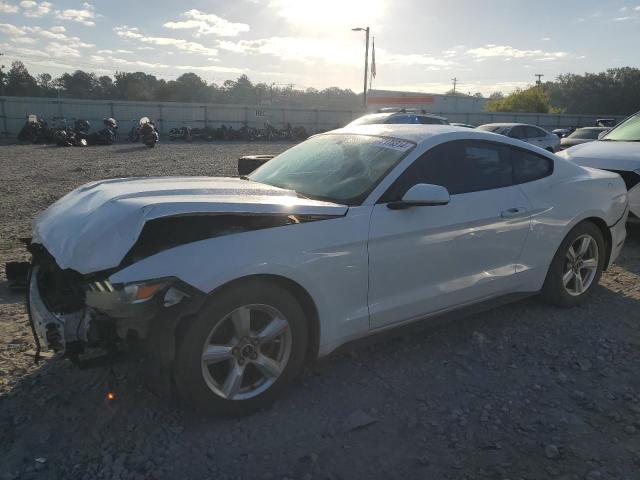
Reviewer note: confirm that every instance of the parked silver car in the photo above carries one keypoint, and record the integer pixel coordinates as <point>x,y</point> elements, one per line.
<point>582,135</point>
<point>527,133</point>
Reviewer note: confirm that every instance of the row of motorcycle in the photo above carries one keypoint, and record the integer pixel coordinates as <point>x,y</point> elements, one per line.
<point>78,133</point>
<point>245,133</point>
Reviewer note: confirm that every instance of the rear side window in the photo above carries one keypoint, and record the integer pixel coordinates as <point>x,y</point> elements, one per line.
<point>430,121</point>
<point>528,166</point>
<point>403,119</point>
<point>533,132</point>
<point>517,132</point>
<point>460,167</point>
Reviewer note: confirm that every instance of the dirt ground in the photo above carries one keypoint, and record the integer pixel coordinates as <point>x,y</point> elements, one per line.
<point>525,391</point>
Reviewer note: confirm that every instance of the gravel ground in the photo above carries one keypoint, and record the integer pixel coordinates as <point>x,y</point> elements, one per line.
<point>525,391</point>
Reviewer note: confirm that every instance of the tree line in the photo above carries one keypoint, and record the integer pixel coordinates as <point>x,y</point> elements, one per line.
<point>615,91</point>
<point>188,87</point>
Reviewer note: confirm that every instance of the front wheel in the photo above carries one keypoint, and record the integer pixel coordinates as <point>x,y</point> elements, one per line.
<point>244,347</point>
<point>576,267</point>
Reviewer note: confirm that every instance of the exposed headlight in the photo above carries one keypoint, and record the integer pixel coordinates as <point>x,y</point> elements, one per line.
<point>143,291</point>
<point>132,293</point>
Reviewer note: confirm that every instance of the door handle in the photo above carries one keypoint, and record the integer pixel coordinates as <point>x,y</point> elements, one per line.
<point>513,212</point>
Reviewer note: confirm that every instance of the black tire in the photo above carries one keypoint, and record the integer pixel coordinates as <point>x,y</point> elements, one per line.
<point>189,378</point>
<point>553,290</point>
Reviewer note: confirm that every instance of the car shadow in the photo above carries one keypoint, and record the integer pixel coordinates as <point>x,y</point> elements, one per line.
<point>417,389</point>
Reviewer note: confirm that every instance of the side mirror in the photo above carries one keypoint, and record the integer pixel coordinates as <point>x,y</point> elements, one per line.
<point>422,195</point>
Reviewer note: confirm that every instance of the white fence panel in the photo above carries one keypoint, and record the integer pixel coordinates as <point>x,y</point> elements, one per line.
<point>14,110</point>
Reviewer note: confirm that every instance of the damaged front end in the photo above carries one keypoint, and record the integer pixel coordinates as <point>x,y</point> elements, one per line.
<point>79,314</point>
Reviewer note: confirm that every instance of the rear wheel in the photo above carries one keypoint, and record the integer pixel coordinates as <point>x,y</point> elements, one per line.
<point>242,350</point>
<point>576,267</point>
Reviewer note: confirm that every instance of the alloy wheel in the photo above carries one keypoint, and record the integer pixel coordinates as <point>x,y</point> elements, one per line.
<point>246,352</point>
<point>581,265</point>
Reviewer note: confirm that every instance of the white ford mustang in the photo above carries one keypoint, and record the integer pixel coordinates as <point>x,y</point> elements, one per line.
<point>234,282</point>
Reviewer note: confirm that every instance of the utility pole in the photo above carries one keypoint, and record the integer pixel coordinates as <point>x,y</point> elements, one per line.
<point>1,79</point>
<point>539,75</point>
<point>455,83</point>
<point>366,62</point>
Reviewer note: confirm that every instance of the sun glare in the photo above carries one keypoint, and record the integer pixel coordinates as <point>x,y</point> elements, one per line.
<point>312,14</point>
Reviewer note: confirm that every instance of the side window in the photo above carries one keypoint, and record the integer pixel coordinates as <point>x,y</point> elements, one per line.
<point>429,121</point>
<point>533,132</point>
<point>517,132</point>
<point>528,166</point>
<point>403,119</point>
<point>460,166</point>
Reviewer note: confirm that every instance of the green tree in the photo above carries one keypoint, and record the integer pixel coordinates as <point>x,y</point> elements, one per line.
<point>79,84</point>
<point>19,81</point>
<point>139,86</point>
<point>531,100</point>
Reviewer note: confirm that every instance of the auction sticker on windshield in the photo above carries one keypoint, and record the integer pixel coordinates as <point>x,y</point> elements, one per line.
<point>394,144</point>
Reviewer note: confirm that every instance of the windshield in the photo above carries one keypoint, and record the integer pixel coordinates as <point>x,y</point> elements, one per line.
<point>627,131</point>
<point>334,167</point>
<point>372,119</point>
<point>501,129</point>
<point>587,133</point>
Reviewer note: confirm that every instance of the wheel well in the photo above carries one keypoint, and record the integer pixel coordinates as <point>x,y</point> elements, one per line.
<point>606,234</point>
<point>300,294</point>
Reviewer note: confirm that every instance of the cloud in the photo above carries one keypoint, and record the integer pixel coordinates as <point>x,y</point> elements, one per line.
<point>207,24</point>
<point>34,9</point>
<point>506,51</point>
<point>86,16</point>
<point>123,62</point>
<point>8,8</point>
<point>59,44</point>
<point>190,47</point>
<point>110,52</point>
<point>621,19</point>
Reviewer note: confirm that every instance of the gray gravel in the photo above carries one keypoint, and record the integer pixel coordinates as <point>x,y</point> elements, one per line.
<point>525,391</point>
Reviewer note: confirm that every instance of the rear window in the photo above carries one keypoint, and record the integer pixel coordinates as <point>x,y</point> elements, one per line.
<point>586,134</point>
<point>494,129</point>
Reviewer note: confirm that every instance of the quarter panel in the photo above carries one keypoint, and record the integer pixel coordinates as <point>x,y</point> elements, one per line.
<point>560,202</point>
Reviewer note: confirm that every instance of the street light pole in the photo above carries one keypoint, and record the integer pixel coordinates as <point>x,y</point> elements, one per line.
<point>366,62</point>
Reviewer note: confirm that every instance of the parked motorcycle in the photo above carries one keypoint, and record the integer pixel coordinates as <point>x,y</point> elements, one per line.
<point>148,132</point>
<point>107,135</point>
<point>181,133</point>
<point>34,130</point>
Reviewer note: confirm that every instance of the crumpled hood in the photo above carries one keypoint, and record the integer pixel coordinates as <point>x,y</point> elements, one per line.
<point>94,226</point>
<point>606,155</point>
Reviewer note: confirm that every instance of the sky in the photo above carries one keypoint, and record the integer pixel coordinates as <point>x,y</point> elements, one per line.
<point>421,45</point>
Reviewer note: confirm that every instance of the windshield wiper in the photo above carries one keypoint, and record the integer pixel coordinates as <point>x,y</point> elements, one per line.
<point>244,177</point>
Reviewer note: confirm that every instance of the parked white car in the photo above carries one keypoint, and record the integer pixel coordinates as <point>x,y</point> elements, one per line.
<point>527,133</point>
<point>233,282</point>
<point>618,151</point>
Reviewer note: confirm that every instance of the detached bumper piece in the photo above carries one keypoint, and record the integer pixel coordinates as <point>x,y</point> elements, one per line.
<point>17,275</point>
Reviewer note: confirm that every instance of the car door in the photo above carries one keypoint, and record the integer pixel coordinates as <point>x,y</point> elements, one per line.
<point>432,258</point>
<point>537,137</point>
<point>518,132</point>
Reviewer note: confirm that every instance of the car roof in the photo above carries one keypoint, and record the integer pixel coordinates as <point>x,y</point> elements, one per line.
<point>420,114</point>
<point>417,133</point>
<point>394,113</point>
